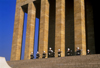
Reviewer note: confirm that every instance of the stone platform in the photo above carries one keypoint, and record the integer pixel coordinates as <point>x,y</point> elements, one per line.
<point>85,61</point>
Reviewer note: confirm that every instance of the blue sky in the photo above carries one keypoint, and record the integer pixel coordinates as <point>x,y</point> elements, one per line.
<point>7,16</point>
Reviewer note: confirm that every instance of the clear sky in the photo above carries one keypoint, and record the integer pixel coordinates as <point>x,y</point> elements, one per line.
<point>7,16</point>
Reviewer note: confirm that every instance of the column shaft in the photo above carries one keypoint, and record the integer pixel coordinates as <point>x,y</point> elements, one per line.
<point>60,28</point>
<point>44,25</point>
<point>17,34</point>
<point>79,25</point>
<point>29,45</point>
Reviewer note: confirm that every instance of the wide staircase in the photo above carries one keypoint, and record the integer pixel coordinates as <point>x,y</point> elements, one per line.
<point>85,61</point>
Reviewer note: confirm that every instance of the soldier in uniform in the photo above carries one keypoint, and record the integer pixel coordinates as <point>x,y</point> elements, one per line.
<point>88,51</point>
<point>78,52</point>
<point>59,53</point>
<point>31,55</point>
<point>44,54</point>
<point>68,52</point>
<point>50,53</point>
<point>37,55</point>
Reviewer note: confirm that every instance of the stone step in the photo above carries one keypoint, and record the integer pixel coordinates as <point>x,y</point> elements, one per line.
<point>86,61</point>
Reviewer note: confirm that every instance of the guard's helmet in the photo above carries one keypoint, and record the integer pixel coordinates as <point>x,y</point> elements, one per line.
<point>58,49</point>
<point>88,50</point>
<point>37,52</point>
<point>77,47</point>
<point>50,48</point>
<point>68,48</point>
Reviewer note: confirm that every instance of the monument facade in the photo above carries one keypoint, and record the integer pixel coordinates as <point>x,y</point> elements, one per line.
<point>63,24</point>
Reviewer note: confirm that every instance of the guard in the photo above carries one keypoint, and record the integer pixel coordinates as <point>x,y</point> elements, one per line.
<point>59,53</point>
<point>44,54</point>
<point>50,53</point>
<point>31,55</point>
<point>68,52</point>
<point>37,55</point>
<point>78,52</point>
<point>88,51</point>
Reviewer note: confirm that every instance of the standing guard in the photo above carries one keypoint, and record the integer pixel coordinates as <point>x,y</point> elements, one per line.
<point>59,53</point>
<point>88,52</point>
<point>37,55</point>
<point>68,52</point>
<point>44,54</point>
<point>50,53</point>
<point>32,56</point>
<point>78,52</point>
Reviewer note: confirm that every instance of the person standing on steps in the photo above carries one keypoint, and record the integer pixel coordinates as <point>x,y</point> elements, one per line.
<point>44,54</point>
<point>50,53</point>
<point>32,56</point>
<point>59,53</point>
<point>37,55</point>
<point>88,52</point>
<point>68,52</point>
<point>78,52</point>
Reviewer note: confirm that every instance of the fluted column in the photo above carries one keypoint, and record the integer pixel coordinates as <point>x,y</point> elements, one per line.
<point>29,45</point>
<point>60,27</point>
<point>79,25</point>
<point>44,27</point>
<point>17,34</point>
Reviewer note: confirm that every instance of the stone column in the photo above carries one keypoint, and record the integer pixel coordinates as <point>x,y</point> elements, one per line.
<point>44,26</point>
<point>17,34</point>
<point>60,27</point>
<point>29,45</point>
<point>79,25</point>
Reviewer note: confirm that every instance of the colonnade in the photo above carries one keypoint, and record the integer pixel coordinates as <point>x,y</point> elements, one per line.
<point>79,29</point>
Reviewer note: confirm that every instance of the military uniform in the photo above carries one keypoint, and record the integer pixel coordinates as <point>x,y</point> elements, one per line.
<point>59,54</point>
<point>68,53</point>
<point>37,56</point>
<point>31,56</point>
<point>51,54</point>
<point>88,52</point>
<point>78,52</point>
<point>44,55</point>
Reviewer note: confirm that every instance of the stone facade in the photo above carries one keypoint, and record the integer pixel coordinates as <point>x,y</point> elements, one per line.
<point>63,24</point>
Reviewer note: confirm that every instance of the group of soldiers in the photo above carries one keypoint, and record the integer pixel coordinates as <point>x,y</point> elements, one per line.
<point>52,54</point>
<point>37,55</point>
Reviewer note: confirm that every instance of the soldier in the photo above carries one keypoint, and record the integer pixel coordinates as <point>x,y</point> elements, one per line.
<point>31,55</point>
<point>88,52</point>
<point>44,54</point>
<point>59,53</point>
<point>78,52</point>
<point>37,55</point>
<point>50,52</point>
<point>68,52</point>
